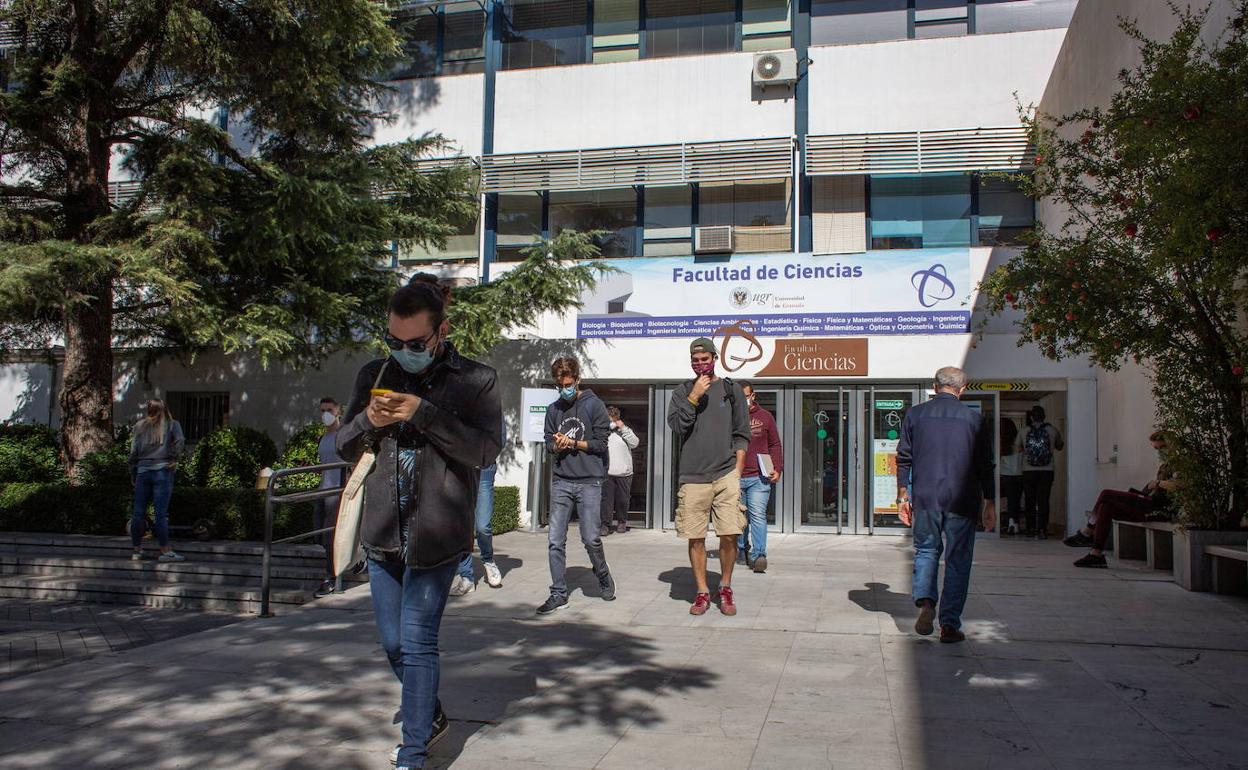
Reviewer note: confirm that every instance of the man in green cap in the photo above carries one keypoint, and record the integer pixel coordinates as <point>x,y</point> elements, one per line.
<point>711,417</point>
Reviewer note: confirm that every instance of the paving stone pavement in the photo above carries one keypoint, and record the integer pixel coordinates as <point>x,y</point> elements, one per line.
<point>1063,668</point>
<point>36,634</point>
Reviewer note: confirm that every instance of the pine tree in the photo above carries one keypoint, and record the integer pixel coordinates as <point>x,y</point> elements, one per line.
<point>262,216</point>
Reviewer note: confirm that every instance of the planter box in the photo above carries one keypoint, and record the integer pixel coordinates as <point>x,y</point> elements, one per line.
<point>1193,568</point>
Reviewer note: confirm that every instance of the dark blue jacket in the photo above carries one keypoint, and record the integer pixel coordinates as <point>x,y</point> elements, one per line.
<point>946,457</point>
<point>584,419</point>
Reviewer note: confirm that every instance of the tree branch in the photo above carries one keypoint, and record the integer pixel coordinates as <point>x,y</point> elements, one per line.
<point>25,191</point>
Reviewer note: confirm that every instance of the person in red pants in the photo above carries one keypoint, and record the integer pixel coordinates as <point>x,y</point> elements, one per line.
<point>1115,505</point>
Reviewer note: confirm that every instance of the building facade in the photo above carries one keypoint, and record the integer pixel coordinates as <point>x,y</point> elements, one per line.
<point>817,184</point>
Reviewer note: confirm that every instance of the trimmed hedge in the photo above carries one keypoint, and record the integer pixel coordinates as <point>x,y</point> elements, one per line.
<point>230,458</point>
<point>237,514</point>
<point>302,450</point>
<point>28,454</point>
<point>506,510</point>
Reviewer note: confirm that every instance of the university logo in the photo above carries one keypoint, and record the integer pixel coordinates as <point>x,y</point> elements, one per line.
<point>933,285</point>
<point>740,297</point>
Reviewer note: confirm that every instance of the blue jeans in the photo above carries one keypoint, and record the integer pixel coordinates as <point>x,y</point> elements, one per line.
<point>958,546</point>
<point>587,498</point>
<point>153,487</point>
<point>755,493</point>
<point>408,605</point>
<point>484,521</point>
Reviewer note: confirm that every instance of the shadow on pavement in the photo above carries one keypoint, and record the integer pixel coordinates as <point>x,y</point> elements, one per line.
<point>875,597</point>
<point>684,588</point>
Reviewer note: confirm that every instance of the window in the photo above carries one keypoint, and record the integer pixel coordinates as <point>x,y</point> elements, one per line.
<point>519,223</point>
<point>758,212</point>
<point>1005,213</point>
<point>668,221</point>
<point>1022,15</point>
<point>613,211</point>
<point>199,413</point>
<point>765,25</point>
<point>419,32</point>
<point>616,35</point>
<point>835,22</point>
<point>463,39</point>
<point>690,27</point>
<point>940,18</point>
<point>459,28</point>
<point>460,246</point>
<point>916,212</point>
<point>543,33</point>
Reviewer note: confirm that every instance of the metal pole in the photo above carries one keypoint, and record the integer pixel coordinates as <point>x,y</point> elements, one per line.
<point>268,551</point>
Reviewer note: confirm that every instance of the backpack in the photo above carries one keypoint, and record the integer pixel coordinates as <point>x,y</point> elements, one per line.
<point>1038,447</point>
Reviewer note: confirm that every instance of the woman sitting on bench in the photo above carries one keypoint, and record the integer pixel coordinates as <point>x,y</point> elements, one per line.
<point>1114,504</point>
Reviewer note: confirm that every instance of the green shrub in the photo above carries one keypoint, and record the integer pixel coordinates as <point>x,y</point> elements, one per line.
<point>230,458</point>
<point>237,514</point>
<point>108,467</point>
<point>302,450</point>
<point>506,509</point>
<point>28,453</point>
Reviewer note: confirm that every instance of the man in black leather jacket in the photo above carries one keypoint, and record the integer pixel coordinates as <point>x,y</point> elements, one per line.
<point>433,420</point>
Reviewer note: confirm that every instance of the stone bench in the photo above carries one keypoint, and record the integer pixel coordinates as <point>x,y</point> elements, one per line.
<point>1230,568</point>
<point>1147,541</point>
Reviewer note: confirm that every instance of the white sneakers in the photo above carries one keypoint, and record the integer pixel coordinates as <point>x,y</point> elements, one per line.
<point>493,575</point>
<point>462,585</point>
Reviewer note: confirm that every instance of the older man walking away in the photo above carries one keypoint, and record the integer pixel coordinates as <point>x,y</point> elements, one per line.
<point>945,483</point>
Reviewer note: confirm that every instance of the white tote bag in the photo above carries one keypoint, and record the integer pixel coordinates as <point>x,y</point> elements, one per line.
<point>347,531</point>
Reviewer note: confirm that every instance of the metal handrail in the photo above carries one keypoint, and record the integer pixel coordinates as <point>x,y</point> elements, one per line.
<point>272,499</point>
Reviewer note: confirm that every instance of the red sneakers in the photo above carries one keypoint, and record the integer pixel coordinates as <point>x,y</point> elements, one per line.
<point>700,604</point>
<point>726,604</point>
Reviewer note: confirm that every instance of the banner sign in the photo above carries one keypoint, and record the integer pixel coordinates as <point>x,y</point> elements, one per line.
<point>904,291</point>
<point>807,357</point>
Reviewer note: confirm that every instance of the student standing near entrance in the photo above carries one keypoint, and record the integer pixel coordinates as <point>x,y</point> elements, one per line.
<point>944,481</point>
<point>710,416</point>
<point>576,430</point>
<point>325,512</point>
<point>433,419</point>
<point>1039,443</point>
<point>619,487</point>
<point>755,485</point>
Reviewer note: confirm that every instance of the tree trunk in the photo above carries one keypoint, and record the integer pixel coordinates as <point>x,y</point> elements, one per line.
<point>87,390</point>
<point>1237,442</point>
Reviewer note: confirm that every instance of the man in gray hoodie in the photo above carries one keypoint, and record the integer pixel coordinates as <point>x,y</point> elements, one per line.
<point>576,431</point>
<point>711,418</point>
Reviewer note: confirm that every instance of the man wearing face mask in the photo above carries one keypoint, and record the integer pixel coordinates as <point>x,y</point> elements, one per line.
<point>710,416</point>
<point>577,428</point>
<point>325,512</point>
<point>433,420</point>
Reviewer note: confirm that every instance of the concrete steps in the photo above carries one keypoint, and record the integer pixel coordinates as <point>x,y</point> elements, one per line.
<point>217,576</point>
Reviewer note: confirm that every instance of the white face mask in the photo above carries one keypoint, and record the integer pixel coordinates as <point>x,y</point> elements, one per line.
<point>328,418</point>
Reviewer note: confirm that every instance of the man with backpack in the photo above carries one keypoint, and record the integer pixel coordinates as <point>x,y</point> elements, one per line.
<point>710,416</point>
<point>1039,443</point>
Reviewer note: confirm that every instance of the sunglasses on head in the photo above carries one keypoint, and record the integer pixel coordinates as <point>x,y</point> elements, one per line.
<point>416,346</point>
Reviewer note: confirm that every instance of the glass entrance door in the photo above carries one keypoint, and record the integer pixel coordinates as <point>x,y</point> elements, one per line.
<point>827,438</point>
<point>883,410</point>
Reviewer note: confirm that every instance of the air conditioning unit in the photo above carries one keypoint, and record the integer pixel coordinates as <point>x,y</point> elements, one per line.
<point>775,68</point>
<point>712,240</point>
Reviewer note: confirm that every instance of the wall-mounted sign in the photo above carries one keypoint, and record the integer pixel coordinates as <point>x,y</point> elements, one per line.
<point>901,291</point>
<point>1006,386</point>
<point>533,405</point>
<point>810,358</point>
<point>888,406</point>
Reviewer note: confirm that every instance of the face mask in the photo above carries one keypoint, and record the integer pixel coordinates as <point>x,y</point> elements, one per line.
<point>328,418</point>
<point>701,369</point>
<point>411,361</point>
<point>568,393</point>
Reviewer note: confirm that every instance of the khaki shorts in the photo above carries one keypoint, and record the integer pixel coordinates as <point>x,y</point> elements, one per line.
<point>696,503</point>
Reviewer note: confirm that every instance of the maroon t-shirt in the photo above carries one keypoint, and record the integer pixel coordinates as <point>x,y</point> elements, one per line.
<point>764,440</point>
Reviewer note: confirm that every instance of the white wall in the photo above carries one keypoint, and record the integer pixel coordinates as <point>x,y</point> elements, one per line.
<point>913,85</point>
<point>450,106</point>
<point>656,101</point>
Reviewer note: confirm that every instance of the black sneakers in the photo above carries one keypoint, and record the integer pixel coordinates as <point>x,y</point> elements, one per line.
<point>440,727</point>
<point>554,603</point>
<point>607,584</point>
<point>1092,561</point>
<point>328,586</point>
<point>1078,540</point>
